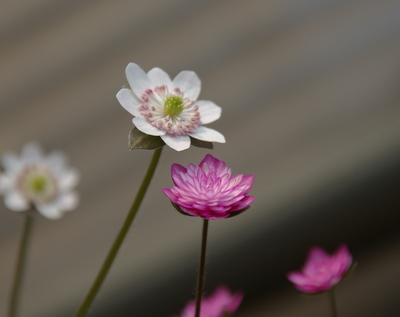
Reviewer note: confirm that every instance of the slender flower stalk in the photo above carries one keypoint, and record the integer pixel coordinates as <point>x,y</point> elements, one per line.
<point>35,182</point>
<point>202,265</point>
<point>332,302</point>
<point>120,237</point>
<point>20,267</point>
<point>209,191</point>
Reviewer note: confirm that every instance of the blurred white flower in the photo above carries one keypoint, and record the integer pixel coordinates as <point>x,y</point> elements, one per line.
<point>168,108</point>
<point>34,180</point>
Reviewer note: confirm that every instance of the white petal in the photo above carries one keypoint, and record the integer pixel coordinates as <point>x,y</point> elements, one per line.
<point>209,111</point>
<point>6,183</point>
<point>31,152</point>
<point>207,134</point>
<point>56,160</point>
<point>178,143</point>
<point>51,211</point>
<point>189,83</point>
<point>159,77</point>
<point>137,79</point>
<point>11,162</point>
<point>129,101</point>
<point>68,179</point>
<point>68,201</point>
<point>146,127</point>
<point>15,201</point>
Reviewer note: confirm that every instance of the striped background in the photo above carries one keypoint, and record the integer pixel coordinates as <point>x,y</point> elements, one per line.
<point>311,106</point>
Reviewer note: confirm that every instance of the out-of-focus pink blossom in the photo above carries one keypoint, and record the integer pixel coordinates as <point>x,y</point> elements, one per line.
<point>208,190</point>
<point>321,270</point>
<point>219,304</point>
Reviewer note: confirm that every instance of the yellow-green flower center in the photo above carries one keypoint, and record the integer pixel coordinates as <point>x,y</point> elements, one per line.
<point>39,184</point>
<point>170,111</point>
<point>173,105</point>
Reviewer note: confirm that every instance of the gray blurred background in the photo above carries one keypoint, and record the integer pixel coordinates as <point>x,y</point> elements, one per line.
<point>311,106</point>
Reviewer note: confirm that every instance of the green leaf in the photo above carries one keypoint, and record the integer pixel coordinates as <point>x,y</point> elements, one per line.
<point>141,141</point>
<point>202,144</point>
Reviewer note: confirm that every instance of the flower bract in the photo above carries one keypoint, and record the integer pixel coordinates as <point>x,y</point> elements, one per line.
<point>169,108</point>
<point>208,190</point>
<point>219,304</point>
<point>34,180</point>
<point>321,271</point>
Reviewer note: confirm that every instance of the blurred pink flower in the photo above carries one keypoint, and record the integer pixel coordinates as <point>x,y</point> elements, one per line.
<point>208,190</point>
<point>219,304</point>
<point>321,270</point>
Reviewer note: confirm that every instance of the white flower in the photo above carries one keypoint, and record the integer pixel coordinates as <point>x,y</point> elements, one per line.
<point>168,108</point>
<point>35,180</point>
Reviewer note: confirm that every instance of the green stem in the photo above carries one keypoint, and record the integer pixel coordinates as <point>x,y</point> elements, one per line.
<point>200,277</point>
<point>120,237</point>
<point>332,302</point>
<point>21,261</point>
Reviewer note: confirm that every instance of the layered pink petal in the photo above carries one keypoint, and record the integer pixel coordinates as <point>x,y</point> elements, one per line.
<point>208,190</point>
<point>244,203</point>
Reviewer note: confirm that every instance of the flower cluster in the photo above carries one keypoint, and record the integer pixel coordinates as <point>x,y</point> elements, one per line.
<point>321,271</point>
<point>221,303</point>
<point>37,181</point>
<point>169,108</point>
<point>208,190</point>
<point>165,112</point>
